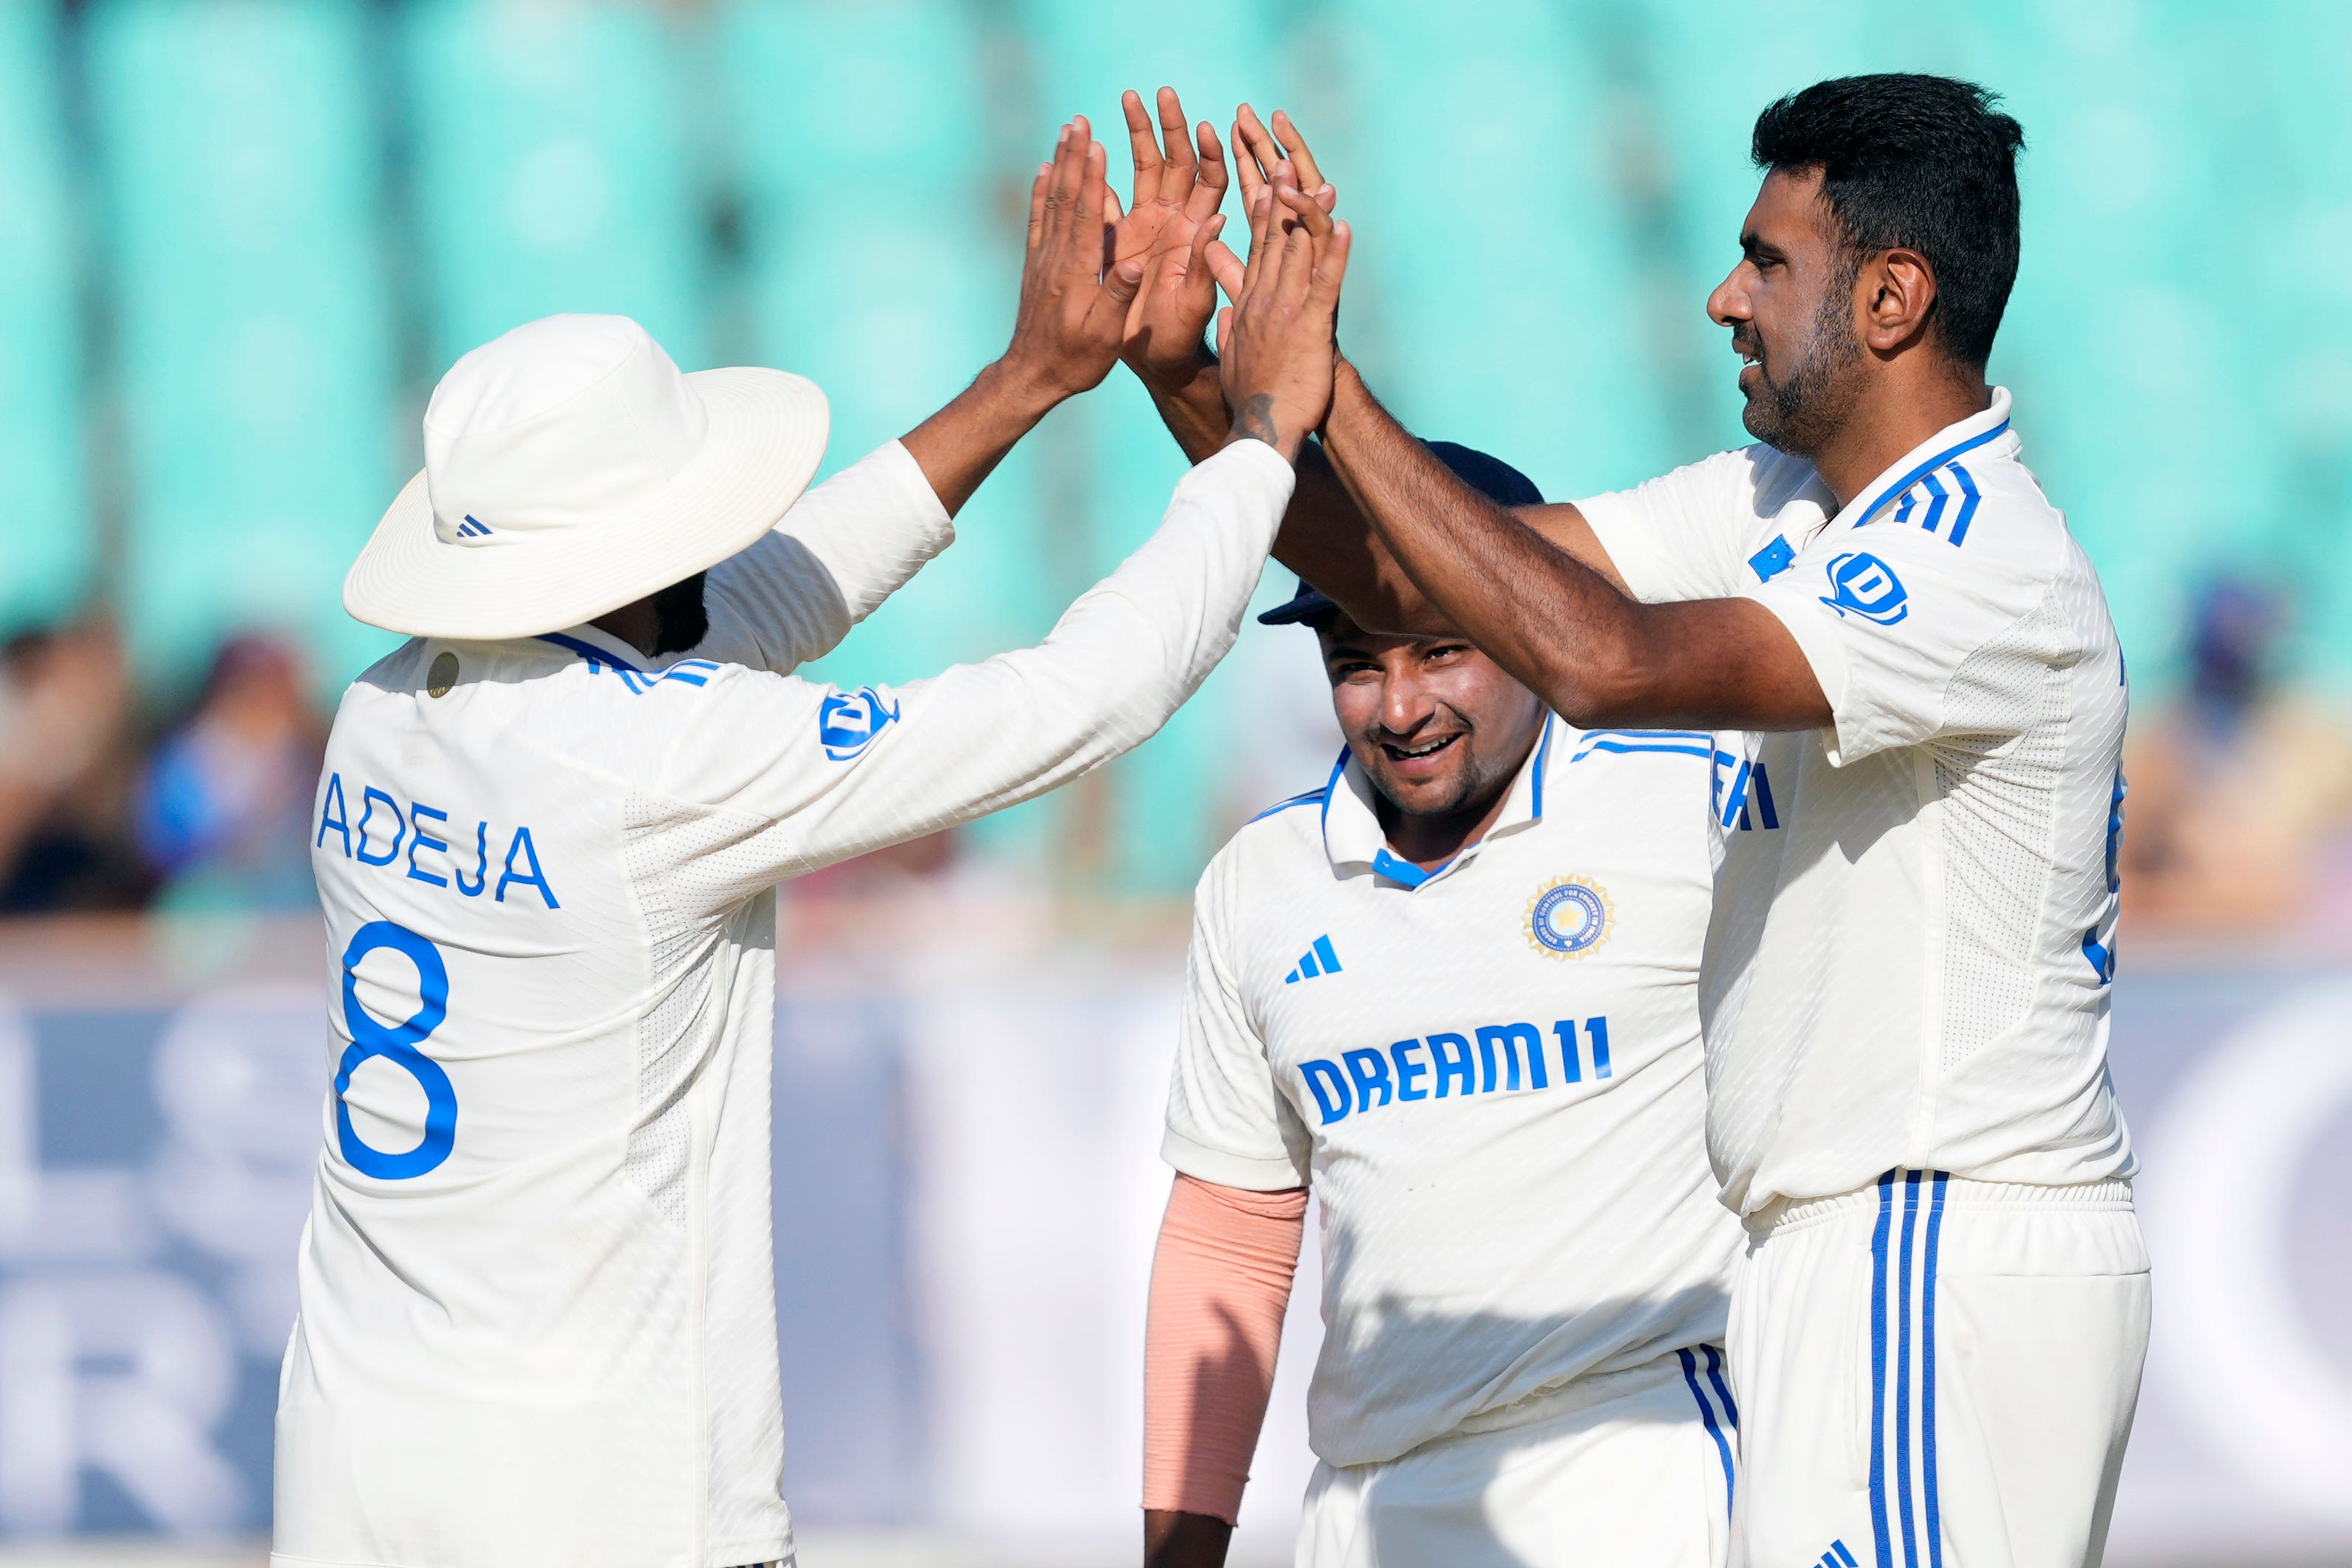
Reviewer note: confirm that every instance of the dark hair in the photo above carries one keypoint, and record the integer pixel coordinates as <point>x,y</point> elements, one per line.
<point>1923,162</point>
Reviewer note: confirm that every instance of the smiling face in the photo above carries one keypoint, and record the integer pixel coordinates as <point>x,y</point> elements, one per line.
<point>1439,728</point>
<point>1791,307</point>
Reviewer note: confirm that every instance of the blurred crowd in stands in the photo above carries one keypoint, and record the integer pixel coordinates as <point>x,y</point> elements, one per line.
<point>107,807</point>
<point>2239,814</point>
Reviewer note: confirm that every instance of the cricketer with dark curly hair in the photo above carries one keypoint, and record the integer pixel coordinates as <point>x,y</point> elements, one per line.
<point>1937,1328</point>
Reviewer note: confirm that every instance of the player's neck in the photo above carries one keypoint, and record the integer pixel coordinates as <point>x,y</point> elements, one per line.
<point>638,623</point>
<point>1430,842</point>
<point>1908,405</point>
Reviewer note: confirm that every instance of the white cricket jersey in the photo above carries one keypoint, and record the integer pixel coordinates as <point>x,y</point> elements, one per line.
<point>538,1313</point>
<point>1912,969</point>
<point>1491,1075</point>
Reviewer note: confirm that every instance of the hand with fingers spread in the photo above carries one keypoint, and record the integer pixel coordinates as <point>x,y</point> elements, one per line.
<point>1065,334</point>
<point>1173,222</point>
<point>1278,340</point>
<point>1074,310</point>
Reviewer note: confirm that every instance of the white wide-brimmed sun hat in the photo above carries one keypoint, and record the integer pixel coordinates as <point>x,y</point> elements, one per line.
<point>570,468</point>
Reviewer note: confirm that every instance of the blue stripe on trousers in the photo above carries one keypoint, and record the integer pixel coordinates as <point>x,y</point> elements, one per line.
<point>1707,1413</point>
<point>1928,1362</point>
<point>1878,1235</point>
<point>1903,1374</point>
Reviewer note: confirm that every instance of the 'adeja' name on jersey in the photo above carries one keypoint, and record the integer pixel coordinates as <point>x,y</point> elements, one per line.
<point>1368,1077</point>
<point>378,837</point>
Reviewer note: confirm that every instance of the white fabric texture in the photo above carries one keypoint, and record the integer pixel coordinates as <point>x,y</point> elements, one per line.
<point>1492,1080</point>
<point>1935,1369</point>
<point>537,1296</point>
<point>1628,1474</point>
<point>1916,972</point>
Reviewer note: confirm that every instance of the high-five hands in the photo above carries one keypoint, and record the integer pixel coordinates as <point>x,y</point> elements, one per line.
<point>1174,226</point>
<point>1065,334</point>
<point>1074,307</point>
<point>1278,340</point>
<point>1171,224</point>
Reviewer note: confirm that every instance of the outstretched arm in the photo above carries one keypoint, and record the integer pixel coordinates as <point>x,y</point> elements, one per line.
<point>1065,335</point>
<point>847,773</point>
<point>851,543</point>
<point>1325,538</point>
<point>1594,655</point>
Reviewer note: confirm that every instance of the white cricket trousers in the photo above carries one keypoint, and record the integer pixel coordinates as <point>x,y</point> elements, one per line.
<point>1628,1468</point>
<point>1937,1374</point>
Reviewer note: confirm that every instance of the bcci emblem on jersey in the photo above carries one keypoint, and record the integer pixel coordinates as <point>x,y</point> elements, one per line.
<point>1570,916</point>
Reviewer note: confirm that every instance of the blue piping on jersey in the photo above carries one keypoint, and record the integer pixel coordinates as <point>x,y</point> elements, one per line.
<point>1312,798</point>
<point>590,652</point>
<point>1932,464</point>
<point>1543,756</point>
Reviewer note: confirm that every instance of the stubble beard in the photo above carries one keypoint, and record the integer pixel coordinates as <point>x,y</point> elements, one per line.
<point>1800,414</point>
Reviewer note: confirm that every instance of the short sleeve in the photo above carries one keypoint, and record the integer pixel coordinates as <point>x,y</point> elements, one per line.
<point>1227,1123</point>
<point>1913,637</point>
<point>1677,536</point>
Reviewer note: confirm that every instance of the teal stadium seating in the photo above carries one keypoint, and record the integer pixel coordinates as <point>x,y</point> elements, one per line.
<point>243,187</point>
<point>48,542</point>
<point>302,210</point>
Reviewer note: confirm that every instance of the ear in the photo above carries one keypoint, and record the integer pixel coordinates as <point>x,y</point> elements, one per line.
<point>1895,294</point>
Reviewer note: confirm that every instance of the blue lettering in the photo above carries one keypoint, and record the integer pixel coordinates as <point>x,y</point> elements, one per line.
<point>420,839</point>
<point>1763,787</point>
<point>1510,1037</point>
<point>1449,1065</point>
<point>1331,1101</point>
<point>399,827</point>
<point>481,863</point>
<point>1409,1072</point>
<point>1370,1071</point>
<point>536,879</point>
<point>332,813</point>
<point>1571,1067</point>
<point>1599,1029</point>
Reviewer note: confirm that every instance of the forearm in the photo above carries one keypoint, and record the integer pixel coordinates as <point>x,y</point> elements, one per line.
<point>1557,625</point>
<point>1124,657</point>
<point>1324,537</point>
<point>1193,409</point>
<point>960,445</point>
<point>1221,1280</point>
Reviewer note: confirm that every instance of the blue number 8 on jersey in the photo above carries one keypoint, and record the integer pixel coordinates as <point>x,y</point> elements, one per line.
<point>397,1042</point>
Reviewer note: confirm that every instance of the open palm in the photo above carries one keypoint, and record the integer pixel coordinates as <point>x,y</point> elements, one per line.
<point>1175,216</point>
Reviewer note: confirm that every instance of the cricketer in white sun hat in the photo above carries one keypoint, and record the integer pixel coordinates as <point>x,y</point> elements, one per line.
<point>570,468</point>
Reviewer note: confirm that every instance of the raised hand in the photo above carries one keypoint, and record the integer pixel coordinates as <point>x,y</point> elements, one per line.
<point>1173,221</point>
<point>1065,334</point>
<point>1280,338</point>
<point>1257,150</point>
<point>1072,313</point>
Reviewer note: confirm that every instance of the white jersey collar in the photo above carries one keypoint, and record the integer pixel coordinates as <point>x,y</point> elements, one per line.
<point>1351,825</point>
<point>1977,431</point>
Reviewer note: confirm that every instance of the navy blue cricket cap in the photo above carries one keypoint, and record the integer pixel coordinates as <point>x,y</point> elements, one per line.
<point>1490,476</point>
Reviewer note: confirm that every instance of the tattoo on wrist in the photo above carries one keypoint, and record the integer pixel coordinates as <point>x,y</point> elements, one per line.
<point>1254,418</point>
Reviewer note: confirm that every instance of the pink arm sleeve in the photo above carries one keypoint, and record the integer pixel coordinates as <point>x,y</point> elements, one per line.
<point>1219,1282</point>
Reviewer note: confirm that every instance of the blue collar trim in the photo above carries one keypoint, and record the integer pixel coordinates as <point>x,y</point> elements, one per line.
<point>1403,871</point>
<point>1543,755</point>
<point>590,651</point>
<point>1924,470</point>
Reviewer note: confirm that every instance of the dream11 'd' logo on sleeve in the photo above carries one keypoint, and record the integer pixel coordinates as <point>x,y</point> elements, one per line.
<point>847,725</point>
<point>1861,585</point>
